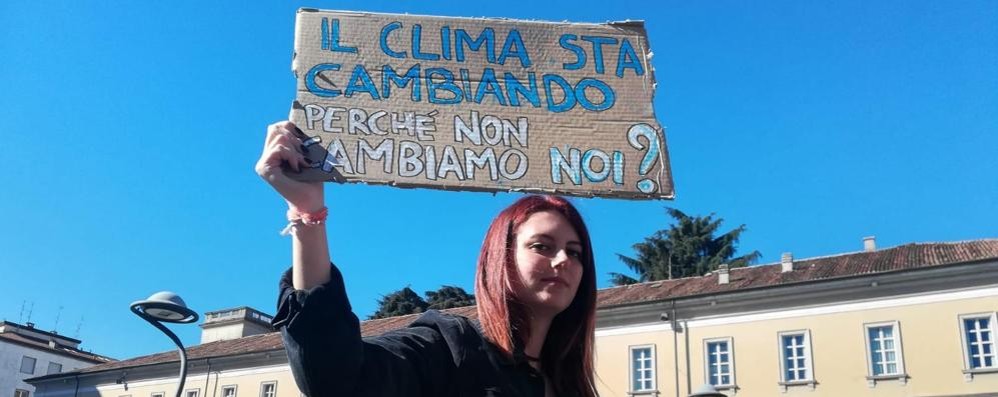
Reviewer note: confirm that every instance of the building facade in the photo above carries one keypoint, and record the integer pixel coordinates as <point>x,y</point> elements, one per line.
<point>913,320</point>
<point>27,352</point>
<point>871,324</point>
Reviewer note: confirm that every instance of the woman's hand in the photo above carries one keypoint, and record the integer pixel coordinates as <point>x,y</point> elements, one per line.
<point>282,153</point>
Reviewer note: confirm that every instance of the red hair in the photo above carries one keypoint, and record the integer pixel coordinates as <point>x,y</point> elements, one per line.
<point>568,346</point>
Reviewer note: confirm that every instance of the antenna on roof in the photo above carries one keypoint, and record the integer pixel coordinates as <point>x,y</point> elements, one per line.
<point>79,324</point>
<point>55,328</point>
<point>20,316</point>
<point>30,310</point>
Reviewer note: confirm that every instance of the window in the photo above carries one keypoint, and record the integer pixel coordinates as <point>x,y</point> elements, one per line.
<point>28,365</point>
<point>979,341</point>
<point>268,389</point>
<point>157,394</point>
<point>192,392</point>
<point>229,391</point>
<point>642,368</point>
<point>54,368</point>
<point>720,371</point>
<point>884,354</point>
<point>795,357</point>
<point>21,393</point>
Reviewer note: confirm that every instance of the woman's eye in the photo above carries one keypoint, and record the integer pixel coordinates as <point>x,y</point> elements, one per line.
<point>574,253</point>
<point>539,247</point>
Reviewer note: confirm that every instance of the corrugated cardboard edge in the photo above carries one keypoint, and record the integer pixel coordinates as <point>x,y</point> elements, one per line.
<point>663,154</point>
<point>546,22</point>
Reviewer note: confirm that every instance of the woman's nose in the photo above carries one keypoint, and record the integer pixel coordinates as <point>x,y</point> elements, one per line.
<point>560,258</point>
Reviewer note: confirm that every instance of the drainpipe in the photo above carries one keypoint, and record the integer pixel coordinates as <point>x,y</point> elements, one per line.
<point>686,331</point>
<point>76,392</point>
<point>207,377</point>
<point>675,344</point>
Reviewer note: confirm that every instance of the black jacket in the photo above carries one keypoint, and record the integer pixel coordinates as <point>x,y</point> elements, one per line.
<point>438,355</point>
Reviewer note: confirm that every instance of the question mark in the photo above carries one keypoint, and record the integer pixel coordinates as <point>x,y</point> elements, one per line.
<point>638,130</point>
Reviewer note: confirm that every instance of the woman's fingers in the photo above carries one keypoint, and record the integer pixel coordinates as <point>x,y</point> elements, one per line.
<point>269,165</point>
<point>286,154</point>
<point>282,131</point>
<point>273,131</point>
<point>304,161</point>
<point>297,158</point>
<point>283,145</point>
<point>285,133</point>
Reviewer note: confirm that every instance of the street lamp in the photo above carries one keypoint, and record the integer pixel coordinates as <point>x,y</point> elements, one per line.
<point>707,391</point>
<point>166,306</point>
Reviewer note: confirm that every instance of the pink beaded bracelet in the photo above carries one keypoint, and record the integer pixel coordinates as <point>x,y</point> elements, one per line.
<point>296,218</point>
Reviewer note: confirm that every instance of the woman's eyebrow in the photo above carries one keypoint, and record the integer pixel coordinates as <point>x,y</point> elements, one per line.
<point>544,236</point>
<point>548,237</point>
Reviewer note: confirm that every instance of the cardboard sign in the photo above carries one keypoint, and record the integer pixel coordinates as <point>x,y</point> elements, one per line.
<point>479,104</point>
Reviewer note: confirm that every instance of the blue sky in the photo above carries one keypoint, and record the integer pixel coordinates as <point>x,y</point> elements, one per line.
<point>129,134</point>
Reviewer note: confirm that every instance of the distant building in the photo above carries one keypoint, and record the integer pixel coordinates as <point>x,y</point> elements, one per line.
<point>27,352</point>
<point>234,323</point>
<point>913,320</point>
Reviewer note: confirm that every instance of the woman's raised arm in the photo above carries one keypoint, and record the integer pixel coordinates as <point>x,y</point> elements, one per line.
<point>321,333</point>
<point>282,154</point>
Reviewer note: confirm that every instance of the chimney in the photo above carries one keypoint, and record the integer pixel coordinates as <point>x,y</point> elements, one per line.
<point>234,324</point>
<point>722,274</point>
<point>787,262</point>
<point>870,243</point>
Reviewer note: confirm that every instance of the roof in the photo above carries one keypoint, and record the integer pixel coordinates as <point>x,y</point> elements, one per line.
<point>62,350</point>
<point>382,325</point>
<point>252,344</point>
<point>233,347</point>
<point>900,258</point>
<point>903,257</point>
<point>30,327</point>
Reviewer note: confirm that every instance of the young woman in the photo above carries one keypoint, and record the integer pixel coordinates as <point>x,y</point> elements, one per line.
<point>535,286</point>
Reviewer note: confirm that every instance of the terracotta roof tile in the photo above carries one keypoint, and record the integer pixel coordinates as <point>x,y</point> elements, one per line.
<point>908,256</point>
<point>382,325</point>
<point>260,343</point>
<point>903,257</point>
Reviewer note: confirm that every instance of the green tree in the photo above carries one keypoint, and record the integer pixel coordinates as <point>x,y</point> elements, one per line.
<point>449,296</point>
<point>399,303</point>
<point>687,248</point>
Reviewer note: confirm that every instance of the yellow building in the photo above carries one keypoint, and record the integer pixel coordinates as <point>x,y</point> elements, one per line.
<point>913,320</point>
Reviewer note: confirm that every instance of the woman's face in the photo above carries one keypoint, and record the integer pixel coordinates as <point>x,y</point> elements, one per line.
<point>548,257</point>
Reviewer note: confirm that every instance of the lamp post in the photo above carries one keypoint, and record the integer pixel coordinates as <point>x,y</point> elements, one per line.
<point>165,306</point>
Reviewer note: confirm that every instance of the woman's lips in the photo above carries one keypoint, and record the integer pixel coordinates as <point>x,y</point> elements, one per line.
<point>555,280</point>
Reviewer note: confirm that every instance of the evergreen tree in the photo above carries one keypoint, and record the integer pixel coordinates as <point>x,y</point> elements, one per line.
<point>399,303</point>
<point>687,248</point>
<point>449,296</point>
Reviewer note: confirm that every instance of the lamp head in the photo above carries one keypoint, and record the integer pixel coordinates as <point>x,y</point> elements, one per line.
<point>165,306</point>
